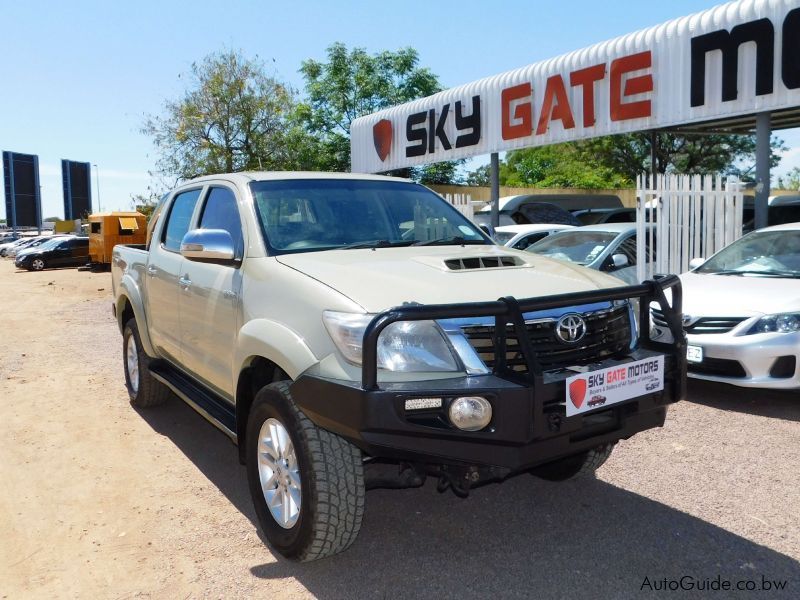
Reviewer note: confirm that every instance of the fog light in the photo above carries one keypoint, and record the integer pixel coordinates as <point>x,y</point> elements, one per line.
<point>470,413</point>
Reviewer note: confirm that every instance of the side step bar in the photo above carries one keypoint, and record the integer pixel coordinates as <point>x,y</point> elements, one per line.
<point>215,409</point>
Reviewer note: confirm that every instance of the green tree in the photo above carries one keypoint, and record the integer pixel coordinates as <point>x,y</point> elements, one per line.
<point>629,154</point>
<point>354,83</point>
<point>232,117</point>
<point>791,181</point>
<point>561,165</point>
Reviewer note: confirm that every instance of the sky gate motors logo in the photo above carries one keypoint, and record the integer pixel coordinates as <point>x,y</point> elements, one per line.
<point>627,82</point>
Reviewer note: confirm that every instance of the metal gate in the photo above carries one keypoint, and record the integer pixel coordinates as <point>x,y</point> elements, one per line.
<point>681,217</point>
<point>462,203</point>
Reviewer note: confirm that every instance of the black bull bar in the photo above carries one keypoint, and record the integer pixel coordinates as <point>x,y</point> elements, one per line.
<point>509,310</point>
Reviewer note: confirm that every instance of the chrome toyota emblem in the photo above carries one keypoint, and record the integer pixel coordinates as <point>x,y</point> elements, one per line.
<point>570,328</point>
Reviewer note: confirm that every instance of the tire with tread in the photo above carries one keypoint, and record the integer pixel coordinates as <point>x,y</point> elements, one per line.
<point>580,465</point>
<point>331,475</point>
<point>150,391</point>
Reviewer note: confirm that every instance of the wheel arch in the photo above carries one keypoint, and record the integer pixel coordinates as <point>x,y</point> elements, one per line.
<point>256,373</point>
<point>129,305</point>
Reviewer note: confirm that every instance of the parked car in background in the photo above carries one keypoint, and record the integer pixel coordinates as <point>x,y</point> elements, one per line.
<point>33,243</point>
<point>526,209</point>
<point>59,251</point>
<point>23,242</point>
<point>741,311</point>
<point>522,236</point>
<point>780,210</point>
<point>610,248</point>
<point>596,216</point>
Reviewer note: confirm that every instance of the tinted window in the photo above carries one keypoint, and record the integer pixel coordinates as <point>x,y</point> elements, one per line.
<point>530,239</point>
<point>180,217</point>
<point>628,248</point>
<point>221,212</point>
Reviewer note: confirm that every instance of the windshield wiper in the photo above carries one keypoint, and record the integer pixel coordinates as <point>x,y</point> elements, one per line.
<point>451,241</point>
<point>753,272</point>
<point>376,244</point>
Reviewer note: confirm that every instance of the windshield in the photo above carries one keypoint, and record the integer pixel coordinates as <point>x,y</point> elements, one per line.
<point>764,253</point>
<point>309,215</point>
<point>581,247</point>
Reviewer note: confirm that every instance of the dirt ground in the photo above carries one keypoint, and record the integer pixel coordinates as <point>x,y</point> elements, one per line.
<point>99,500</point>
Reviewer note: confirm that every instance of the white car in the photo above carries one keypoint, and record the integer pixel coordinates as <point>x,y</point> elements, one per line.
<point>610,247</point>
<point>741,311</point>
<point>522,236</point>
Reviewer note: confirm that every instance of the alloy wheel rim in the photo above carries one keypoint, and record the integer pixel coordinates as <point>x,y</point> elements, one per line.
<point>132,362</point>
<point>38,264</point>
<point>279,473</point>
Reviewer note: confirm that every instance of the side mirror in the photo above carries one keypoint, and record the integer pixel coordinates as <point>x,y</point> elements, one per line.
<point>619,260</point>
<point>696,262</point>
<point>209,245</point>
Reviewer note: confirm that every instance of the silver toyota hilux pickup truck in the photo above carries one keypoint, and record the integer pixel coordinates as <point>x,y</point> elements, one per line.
<point>355,331</point>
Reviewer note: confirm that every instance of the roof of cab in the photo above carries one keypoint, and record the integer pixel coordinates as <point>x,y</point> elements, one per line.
<point>245,177</point>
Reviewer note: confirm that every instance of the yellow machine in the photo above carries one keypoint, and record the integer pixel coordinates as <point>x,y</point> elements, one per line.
<point>106,230</point>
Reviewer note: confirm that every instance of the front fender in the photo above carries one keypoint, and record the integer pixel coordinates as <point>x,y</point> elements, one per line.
<point>129,293</point>
<point>275,342</point>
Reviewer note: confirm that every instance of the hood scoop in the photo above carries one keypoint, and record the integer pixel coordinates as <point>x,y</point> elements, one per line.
<point>482,262</point>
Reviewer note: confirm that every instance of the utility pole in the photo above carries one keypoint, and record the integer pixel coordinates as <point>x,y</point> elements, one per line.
<point>97,177</point>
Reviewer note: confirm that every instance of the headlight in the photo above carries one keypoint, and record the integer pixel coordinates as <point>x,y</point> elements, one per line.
<point>406,346</point>
<point>780,323</point>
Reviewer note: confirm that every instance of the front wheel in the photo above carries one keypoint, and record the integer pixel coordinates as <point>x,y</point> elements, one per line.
<point>307,483</point>
<point>579,465</point>
<point>37,264</point>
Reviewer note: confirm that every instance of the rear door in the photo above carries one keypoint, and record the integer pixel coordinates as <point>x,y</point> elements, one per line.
<point>210,302</point>
<point>163,273</point>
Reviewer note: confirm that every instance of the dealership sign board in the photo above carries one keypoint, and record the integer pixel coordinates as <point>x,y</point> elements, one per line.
<point>736,59</point>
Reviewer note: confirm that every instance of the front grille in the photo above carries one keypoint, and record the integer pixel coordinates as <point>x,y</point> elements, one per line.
<point>701,325</point>
<point>608,334</point>
<point>721,367</point>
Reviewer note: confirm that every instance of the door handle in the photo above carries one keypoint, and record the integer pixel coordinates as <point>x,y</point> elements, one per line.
<point>151,270</point>
<point>185,282</point>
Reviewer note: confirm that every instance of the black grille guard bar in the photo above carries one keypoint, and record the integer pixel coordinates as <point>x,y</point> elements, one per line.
<point>511,310</point>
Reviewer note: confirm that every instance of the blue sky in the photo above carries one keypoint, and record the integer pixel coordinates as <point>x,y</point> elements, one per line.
<point>79,77</point>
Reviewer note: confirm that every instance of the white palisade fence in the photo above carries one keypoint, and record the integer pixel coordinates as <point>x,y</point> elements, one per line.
<point>684,217</point>
<point>462,203</point>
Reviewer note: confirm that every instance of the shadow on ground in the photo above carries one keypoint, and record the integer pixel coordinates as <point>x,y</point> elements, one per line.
<point>525,538</point>
<point>776,404</point>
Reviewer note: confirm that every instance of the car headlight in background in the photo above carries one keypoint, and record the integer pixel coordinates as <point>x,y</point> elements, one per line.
<point>405,346</point>
<point>779,323</point>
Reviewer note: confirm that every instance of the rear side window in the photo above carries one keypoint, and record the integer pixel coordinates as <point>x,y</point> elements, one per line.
<point>180,217</point>
<point>221,212</point>
<point>530,239</point>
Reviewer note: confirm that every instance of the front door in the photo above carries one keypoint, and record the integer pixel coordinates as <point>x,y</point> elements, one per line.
<point>210,303</point>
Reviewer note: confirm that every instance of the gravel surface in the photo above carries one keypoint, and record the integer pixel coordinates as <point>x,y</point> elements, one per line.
<point>102,501</point>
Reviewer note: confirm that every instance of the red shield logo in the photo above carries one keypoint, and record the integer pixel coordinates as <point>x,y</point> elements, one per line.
<point>577,392</point>
<point>382,136</point>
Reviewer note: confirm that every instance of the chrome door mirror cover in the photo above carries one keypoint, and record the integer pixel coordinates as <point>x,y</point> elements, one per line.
<point>209,245</point>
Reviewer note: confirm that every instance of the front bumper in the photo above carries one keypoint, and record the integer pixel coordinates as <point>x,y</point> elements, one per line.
<point>528,427</point>
<point>529,423</point>
<point>748,360</point>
